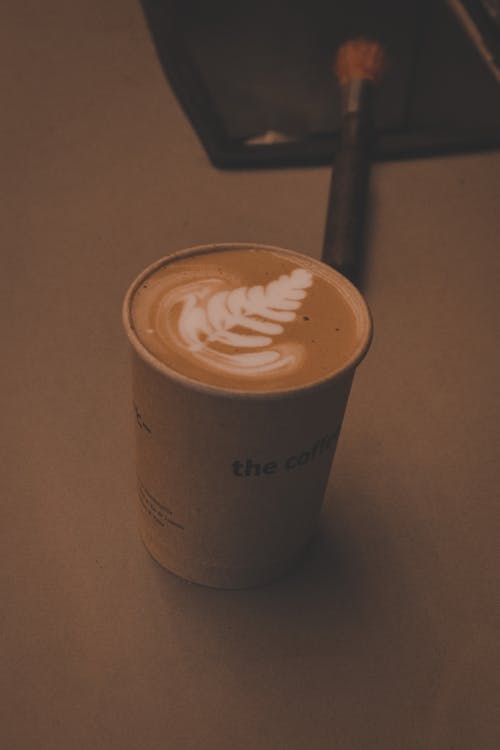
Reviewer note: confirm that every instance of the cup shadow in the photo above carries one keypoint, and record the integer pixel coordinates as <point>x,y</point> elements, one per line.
<point>329,562</point>
<point>349,621</point>
<point>350,576</point>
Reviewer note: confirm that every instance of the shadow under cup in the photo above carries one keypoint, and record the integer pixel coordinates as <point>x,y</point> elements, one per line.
<point>230,482</point>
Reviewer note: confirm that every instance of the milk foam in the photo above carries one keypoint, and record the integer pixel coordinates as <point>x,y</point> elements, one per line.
<point>233,329</point>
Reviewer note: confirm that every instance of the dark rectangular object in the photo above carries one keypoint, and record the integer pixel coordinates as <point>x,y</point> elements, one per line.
<point>256,79</point>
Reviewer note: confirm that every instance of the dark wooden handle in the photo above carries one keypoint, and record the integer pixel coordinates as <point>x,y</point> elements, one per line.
<point>343,246</point>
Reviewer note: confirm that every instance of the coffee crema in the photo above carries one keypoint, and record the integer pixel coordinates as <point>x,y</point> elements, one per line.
<point>249,318</point>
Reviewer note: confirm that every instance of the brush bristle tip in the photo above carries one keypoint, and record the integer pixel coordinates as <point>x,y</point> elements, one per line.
<point>360,58</point>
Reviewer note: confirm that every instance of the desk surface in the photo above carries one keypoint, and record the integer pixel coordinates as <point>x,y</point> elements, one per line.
<point>387,636</point>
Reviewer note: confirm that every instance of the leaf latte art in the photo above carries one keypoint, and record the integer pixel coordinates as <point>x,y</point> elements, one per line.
<point>234,330</point>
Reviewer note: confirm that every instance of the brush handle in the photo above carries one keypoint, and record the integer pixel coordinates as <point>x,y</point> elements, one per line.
<point>343,246</point>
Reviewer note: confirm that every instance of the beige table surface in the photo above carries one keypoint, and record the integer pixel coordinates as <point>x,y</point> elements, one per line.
<point>388,635</point>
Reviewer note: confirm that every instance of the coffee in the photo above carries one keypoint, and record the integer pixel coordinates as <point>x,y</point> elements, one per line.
<point>249,319</point>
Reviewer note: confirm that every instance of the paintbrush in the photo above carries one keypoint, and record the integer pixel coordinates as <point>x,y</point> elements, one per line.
<point>359,65</point>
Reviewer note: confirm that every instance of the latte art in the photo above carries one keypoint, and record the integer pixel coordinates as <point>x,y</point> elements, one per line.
<point>244,320</point>
<point>248,318</point>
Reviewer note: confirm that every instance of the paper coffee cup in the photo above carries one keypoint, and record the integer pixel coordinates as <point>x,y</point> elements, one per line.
<point>230,482</point>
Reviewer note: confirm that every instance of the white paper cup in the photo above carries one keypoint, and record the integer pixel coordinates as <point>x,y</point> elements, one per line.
<point>230,483</point>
